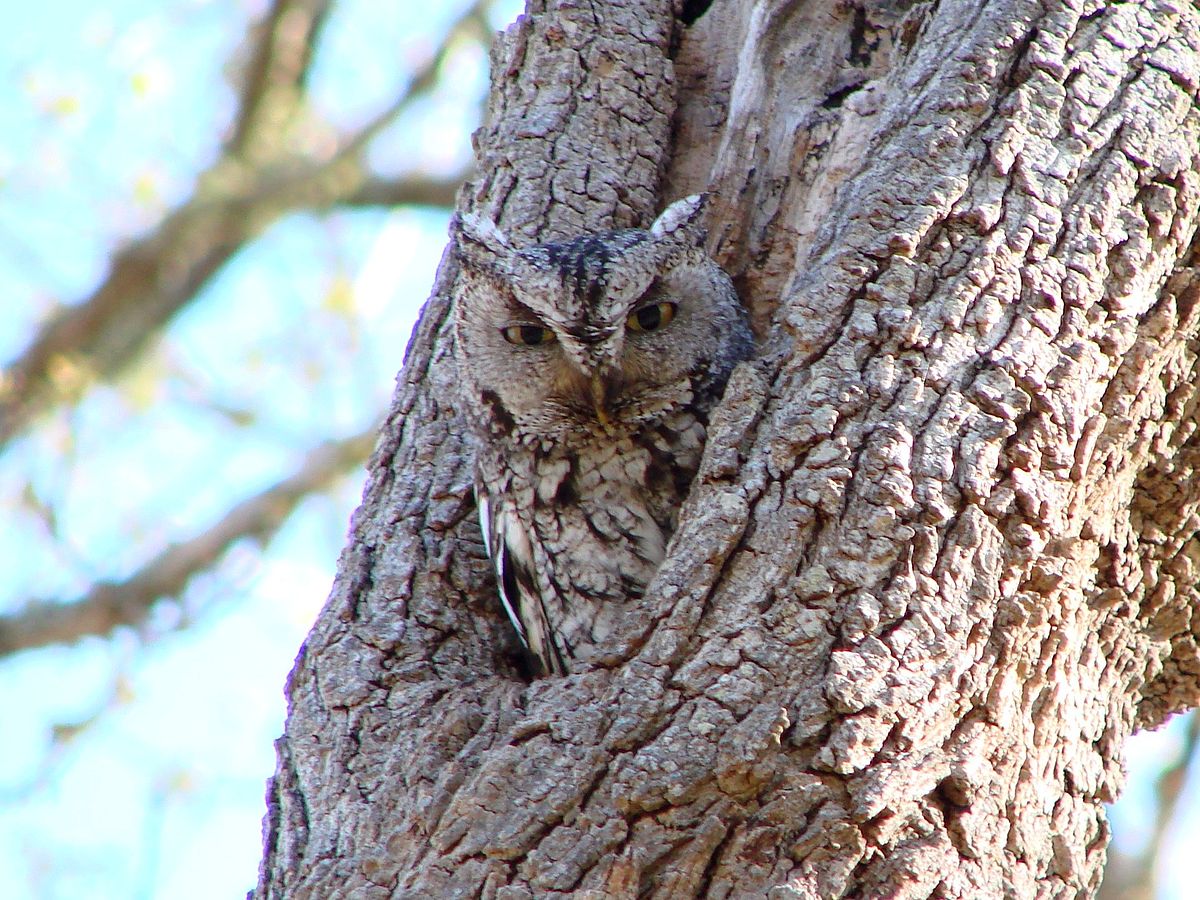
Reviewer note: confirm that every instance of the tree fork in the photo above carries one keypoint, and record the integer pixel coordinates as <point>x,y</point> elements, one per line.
<point>941,558</point>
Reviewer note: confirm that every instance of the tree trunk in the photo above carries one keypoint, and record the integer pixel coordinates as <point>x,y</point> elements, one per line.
<point>941,557</point>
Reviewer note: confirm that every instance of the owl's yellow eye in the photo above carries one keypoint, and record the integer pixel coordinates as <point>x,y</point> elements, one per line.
<point>652,317</point>
<point>527,335</point>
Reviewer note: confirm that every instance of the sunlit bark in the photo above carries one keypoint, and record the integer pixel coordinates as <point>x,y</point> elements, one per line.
<point>941,558</point>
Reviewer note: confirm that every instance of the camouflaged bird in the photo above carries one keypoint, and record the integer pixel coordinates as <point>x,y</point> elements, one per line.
<point>588,369</point>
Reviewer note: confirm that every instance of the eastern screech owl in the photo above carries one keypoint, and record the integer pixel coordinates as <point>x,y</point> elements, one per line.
<point>588,369</point>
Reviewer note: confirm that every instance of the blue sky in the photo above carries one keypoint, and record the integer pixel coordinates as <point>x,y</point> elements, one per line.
<point>160,793</point>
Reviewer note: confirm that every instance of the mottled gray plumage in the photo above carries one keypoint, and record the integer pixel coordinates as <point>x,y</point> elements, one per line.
<point>588,370</point>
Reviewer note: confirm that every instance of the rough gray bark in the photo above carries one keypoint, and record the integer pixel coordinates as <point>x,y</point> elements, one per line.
<point>941,558</point>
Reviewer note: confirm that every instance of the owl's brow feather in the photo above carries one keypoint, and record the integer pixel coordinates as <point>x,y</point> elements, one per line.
<point>519,310</point>
<point>583,263</point>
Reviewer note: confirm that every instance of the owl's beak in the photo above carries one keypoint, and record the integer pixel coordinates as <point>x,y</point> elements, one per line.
<point>600,401</point>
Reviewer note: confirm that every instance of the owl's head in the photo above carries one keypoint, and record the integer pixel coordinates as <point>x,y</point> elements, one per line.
<point>605,332</point>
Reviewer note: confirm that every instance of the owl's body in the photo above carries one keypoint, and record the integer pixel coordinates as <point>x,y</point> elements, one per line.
<point>588,371</point>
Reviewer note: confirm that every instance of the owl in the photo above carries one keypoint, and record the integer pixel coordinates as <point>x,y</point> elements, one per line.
<point>588,368</point>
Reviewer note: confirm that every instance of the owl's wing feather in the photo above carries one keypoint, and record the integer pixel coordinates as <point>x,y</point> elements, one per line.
<point>493,539</point>
<point>511,553</point>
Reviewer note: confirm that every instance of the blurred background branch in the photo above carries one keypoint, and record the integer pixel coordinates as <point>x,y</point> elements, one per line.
<point>109,605</point>
<point>1140,872</point>
<point>258,178</point>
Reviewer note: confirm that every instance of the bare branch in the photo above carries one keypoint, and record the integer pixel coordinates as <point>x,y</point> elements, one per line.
<point>414,190</point>
<point>1134,876</point>
<point>282,52</point>
<point>155,276</point>
<point>109,605</point>
<point>148,282</point>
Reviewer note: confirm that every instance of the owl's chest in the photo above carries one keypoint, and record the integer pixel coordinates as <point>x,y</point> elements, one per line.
<point>591,519</point>
<point>644,476</point>
<point>631,485</point>
<point>600,520</point>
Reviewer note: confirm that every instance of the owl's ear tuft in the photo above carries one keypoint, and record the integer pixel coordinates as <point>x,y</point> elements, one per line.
<point>479,243</point>
<point>682,221</point>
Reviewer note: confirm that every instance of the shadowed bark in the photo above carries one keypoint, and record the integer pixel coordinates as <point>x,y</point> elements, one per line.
<point>940,559</point>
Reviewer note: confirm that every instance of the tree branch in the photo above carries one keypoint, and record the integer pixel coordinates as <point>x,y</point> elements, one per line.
<point>1169,788</point>
<point>283,48</point>
<point>154,277</point>
<point>414,190</point>
<point>111,604</point>
<point>422,82</point>
<point>1134,876</point>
